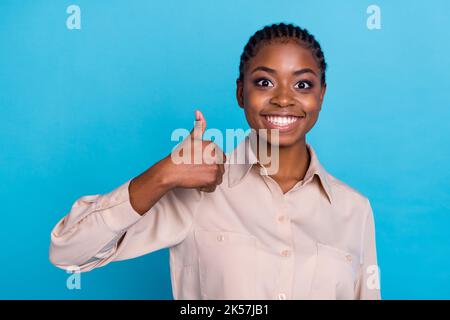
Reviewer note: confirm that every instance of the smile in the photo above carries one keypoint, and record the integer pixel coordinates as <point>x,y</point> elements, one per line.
<point>283,123</point>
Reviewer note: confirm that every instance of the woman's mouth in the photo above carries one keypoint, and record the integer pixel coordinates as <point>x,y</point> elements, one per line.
<point>283,123</point>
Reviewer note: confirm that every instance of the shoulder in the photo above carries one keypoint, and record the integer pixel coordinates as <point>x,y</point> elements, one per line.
<point>351,206</point>
<point>346,195</point>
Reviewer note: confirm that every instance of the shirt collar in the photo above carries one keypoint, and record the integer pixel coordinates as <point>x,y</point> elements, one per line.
<point>243,157</point>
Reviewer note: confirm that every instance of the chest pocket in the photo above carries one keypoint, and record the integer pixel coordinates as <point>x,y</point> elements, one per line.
<point>227,263</point>
<point>334,274</point>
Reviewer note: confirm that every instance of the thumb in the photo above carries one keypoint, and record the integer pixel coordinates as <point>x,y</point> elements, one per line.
<point>199,125</point>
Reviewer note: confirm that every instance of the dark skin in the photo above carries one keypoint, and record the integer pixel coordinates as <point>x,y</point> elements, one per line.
<point>280,89</point>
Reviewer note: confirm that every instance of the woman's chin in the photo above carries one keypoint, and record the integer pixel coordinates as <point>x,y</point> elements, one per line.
<point>283,140</point>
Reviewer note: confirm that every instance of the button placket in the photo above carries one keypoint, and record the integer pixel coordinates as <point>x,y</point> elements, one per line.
<point>286,253</point>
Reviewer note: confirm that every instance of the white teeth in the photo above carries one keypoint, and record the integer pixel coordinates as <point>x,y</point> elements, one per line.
<point>281,121</point>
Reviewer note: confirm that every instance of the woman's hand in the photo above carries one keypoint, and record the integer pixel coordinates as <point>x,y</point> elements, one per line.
<point>203,165</point>
<point>203,170</point>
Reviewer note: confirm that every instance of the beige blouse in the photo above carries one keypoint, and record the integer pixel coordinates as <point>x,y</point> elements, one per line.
<point>246,240</point>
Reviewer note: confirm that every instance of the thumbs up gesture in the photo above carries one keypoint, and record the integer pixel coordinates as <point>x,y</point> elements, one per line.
<point>205,166</point>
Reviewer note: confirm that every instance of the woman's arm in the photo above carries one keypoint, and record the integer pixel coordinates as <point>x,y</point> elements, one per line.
<point>150,212</point>
<point>100,229</point>
<point>150,186</point>
<point>368,284</point>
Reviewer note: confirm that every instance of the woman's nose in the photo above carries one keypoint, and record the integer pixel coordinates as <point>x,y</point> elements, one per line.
<point>283,97</point>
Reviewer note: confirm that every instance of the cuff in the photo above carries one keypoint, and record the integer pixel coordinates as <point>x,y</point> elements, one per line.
<point>118,214</point>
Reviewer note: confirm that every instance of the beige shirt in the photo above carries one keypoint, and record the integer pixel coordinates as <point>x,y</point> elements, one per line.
<point>246,240</point>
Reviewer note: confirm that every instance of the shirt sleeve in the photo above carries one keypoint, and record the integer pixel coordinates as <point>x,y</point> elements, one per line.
<point>368,283</point>
<point>103,228</point>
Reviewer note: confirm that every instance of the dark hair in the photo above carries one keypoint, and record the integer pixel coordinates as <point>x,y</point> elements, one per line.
<point>282,31</point>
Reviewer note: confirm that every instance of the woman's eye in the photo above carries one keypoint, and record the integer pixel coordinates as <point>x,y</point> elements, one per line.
<point>264,83</point>
<point>303,85</point>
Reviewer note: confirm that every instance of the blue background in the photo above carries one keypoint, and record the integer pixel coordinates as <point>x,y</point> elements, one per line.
<point>82,111</point>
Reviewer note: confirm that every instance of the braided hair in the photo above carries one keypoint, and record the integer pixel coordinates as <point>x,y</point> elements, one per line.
<point>282,32</point>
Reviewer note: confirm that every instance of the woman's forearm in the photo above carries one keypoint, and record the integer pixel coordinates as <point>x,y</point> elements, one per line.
<point>147,188</point>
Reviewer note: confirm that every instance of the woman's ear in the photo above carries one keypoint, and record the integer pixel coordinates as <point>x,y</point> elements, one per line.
<point>240,93</point>
<point>322,93</point>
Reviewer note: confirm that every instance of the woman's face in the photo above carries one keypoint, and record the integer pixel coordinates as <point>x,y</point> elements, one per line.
<point>282,90</point>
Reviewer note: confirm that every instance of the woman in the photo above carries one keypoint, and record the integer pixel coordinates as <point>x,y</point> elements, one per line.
<point>235,231</point>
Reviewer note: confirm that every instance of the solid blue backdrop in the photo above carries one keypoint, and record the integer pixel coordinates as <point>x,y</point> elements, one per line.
<point>84,110</point>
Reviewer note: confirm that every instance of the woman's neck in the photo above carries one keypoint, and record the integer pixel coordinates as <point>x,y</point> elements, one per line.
<point>293,161</point>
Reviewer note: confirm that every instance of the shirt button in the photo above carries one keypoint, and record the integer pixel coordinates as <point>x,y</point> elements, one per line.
<point>286,253</point>
<point>281,296</point>
<point>349,258</point>
<point>220,237</point>
<point>281,218</point>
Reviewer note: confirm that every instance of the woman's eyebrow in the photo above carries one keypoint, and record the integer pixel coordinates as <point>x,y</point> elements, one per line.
<point>295,73</point>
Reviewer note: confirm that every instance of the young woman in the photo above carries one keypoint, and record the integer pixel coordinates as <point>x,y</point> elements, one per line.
<point>235,231</point>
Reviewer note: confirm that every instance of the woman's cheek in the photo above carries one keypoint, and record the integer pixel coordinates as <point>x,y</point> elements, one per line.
<point>311,104</point>
<point>253,105</point>
<point>252,116</point>
<point>311,107</point>
<point>256,100</point>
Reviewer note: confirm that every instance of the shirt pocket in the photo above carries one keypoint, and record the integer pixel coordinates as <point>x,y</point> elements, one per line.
<point>334,275</point>
<point>226,264</point>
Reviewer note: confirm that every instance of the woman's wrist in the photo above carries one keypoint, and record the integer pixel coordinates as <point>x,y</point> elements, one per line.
<point>166,174</point>
<point>147,188</point>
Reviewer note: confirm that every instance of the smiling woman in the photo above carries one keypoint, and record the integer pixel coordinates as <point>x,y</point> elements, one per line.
<point>235,231</point>
<point>281,82</point>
